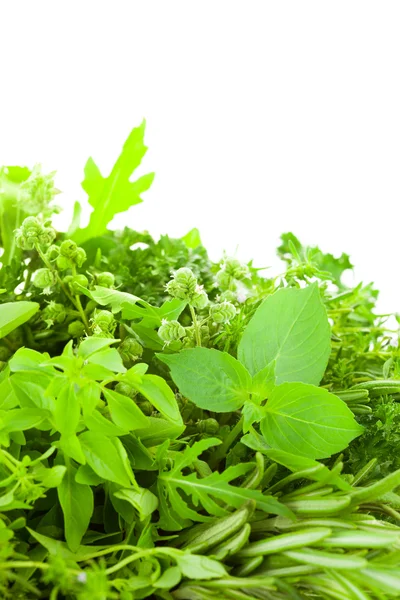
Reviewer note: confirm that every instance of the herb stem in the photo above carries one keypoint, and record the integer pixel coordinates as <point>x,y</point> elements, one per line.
<point>195,325</point>
<point>230,438</point>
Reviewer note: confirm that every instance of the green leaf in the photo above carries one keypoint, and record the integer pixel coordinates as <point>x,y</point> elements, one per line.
<point>97,423</point>
<point>109,359</point>
<point>142,500</point>
<point>77,505</point>
<point>200,567</point>
<point>263,382</point>
<point>67,410</point>
<point>192,239</point>
<point>309,421</point>
<point>116,193</point>
<point>158,431</point>
<point>291,327</point>
<point>124,411</point>
<point>213,380</point>
<point>91,345</point>
<point>104,458</point>
<point>14,314</point>
<point>317,471</point>
<point>159,394</point>
<point>51,478</point>
<point>21,419</point>
<point>31,390</point>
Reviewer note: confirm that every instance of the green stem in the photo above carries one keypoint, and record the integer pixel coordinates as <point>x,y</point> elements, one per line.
<point>195,325</point>
<point>230,438</point>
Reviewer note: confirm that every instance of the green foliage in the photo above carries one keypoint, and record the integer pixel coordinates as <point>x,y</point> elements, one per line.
<point>161,415</point>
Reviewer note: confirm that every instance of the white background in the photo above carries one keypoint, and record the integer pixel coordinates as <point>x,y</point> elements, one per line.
<point>262,117</point>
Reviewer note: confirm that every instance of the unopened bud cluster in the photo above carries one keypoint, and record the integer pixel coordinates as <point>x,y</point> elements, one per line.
<point>184,285</point>
<point>34,233</point>
<point>231,271</point>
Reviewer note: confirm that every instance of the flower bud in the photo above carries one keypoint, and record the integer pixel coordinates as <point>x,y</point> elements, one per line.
<point>37,191</point>
<point>171,331</point>
<point>80,257</point>
<point>52,252</point>
<point>225,281</point>
<point>236,269</point>
<point>210,426</point>
<point>27,236</point>
<point>44,279</point>
<point>182,285</point>
<point>222,312</point>
<point>130,350</point>
<point>47,236</point>
<point>227,295</point>
<point>68,248</point>
<point>103,321</point>
<point>105,279</point>
<point>74,281</point>
<point>54,313</point>
<point>63,263</point>
<point>76,329</point>
<point>126,389</point>
<point>200,298</point>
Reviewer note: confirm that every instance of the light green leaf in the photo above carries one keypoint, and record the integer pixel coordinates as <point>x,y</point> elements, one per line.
<point>124,412</point>
<point>20,419</point>
<point>291,327</point>
<point>192,239</point>
<point>51,478</point>
<point>104,458</point>
<point>213,380</point>
<point>158,431</point>
<point>159,394</point>
<point>14,314</point>
<point>116,193</point>
<point>97,423</point>
<point>77,505</point>
<point>67,410</point>
<point>309,421</point>
<point>263,382</point>
<point>109,359</point>
<point>316,471</point>
<point>200,567</point>
<point>90,345</point>
<point>144,501</point>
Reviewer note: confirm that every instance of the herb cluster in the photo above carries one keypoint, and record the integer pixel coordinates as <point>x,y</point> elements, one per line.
<point>175,428</point>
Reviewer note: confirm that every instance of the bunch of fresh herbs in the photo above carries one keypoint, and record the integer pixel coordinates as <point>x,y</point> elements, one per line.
<point>175,428</point>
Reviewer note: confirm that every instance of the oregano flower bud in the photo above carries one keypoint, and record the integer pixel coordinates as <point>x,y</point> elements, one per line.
<point>210,426</point>
<point>130,350</point>
<point>76,329</point>
<point>68,248</point>
<point>171,331</point>
<point>52,252</point>
<point>27,236</point>
<point>225,281</point>
<point>105,279</point>
<point>200,298</point>
<point>54,313</point>
<point>235,268</point>
<point>74,281</point>
<point>103,321</point>
<point>182,285</point>
<point>44,279</point>
<point>47,236</point>
<point>228,295</point>
<point>222,312</point>
<point>126,389</point>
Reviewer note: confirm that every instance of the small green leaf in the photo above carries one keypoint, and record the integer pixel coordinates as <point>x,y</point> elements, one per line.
<point>51,478</point>
<point>142,500</point>
<point>309,421</point>
<point>109,359</point>
<point>91,345</point>
<point>102,455</point>
<point>21,419</point>
<point>291,327</point>
<point>76,502</point>
<point>67,410</point>
<point>124,411</point>
<point>159,394</point>
<point>14,314</point>
<point>213,380</point>
<point>200,567</point>
<point>169,579</point>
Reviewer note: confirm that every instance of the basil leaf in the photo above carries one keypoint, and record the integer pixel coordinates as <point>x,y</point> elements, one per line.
<point>291,327</point>
<point>124,411</point>
<point>213,380</point>
<point>76,501</point>
<point>14,314</point>
<point>309,421</point>
<point>104,458</point>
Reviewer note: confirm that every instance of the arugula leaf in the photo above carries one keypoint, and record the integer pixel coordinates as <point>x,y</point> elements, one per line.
<point>211,379</point>
<point>116,193</point>
<point>291,328</point>
<point>309,421</point>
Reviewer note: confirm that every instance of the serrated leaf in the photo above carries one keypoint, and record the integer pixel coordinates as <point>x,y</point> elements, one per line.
<point>116,193</point>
